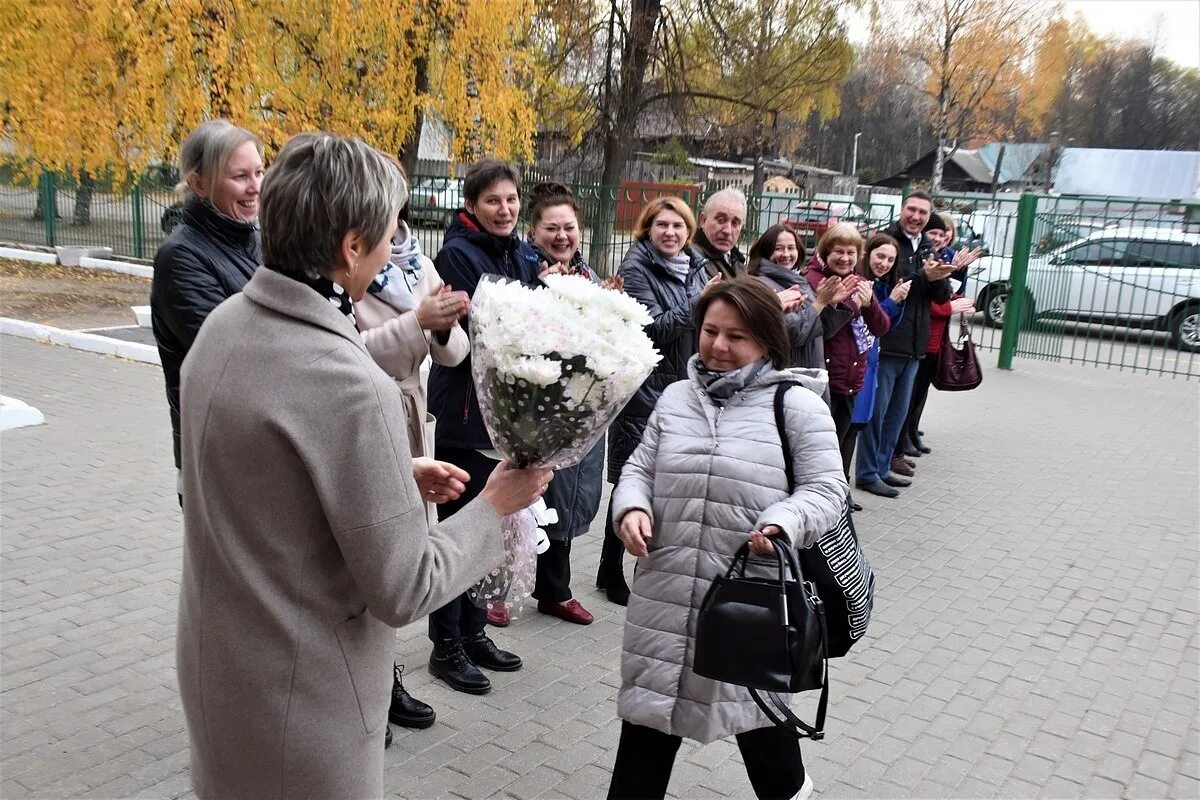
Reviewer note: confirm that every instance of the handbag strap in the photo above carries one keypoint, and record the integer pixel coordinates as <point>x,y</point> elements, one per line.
<point>783,717</point>
<point>781,389</point>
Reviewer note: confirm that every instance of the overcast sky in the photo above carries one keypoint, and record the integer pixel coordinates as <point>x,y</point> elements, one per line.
<point>1173,24</point>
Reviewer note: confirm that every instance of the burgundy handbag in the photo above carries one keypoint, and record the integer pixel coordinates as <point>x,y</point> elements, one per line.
<point>958,366</point>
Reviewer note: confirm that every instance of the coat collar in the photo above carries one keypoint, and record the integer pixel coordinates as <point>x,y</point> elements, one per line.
<point>283,295</point>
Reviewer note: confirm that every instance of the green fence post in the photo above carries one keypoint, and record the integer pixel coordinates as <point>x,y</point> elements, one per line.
<point>1018,278</point>
<point>138,230</point>
<point>49,205</point>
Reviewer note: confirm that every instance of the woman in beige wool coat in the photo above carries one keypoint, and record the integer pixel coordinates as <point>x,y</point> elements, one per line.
<point>305,536</point>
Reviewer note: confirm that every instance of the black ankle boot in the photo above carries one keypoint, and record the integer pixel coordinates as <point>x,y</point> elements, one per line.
<point>450,663</point>
<point>610,577</point>
<point>406,710</point>
<point>483,652</point>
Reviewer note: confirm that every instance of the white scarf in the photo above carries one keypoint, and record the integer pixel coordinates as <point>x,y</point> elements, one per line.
<point>395,283</point>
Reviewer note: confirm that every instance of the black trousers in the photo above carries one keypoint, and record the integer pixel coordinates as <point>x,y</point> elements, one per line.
<point>553,583</point>
<point>645,758</point>
<point>926,368</point>
<point>842,408</point>
<point>460,617</point>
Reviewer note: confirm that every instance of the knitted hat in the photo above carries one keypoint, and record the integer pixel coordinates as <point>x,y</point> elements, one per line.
<point>935,223</point>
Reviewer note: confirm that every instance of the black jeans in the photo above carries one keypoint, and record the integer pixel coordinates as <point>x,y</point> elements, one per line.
<point>460,617</point>
<point>842,408</point>
<point>926,368</point>
<point>645,758</point>
<point>553,584</point>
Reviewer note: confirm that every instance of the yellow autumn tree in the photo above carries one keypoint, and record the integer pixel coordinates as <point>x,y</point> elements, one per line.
<point>754,65</point>
<point>119,83</point>
<point>1064,48</point>
<point>975,54</point>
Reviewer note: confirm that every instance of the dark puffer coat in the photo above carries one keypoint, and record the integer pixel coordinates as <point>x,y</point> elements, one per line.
<point>469,253</point>
<point>911,334</point>
<point>206,259</point>
<point>669,300</point>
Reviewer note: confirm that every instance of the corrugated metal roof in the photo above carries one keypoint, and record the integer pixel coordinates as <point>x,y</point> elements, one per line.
<point>1018,159</point>
<point>1128,173</point>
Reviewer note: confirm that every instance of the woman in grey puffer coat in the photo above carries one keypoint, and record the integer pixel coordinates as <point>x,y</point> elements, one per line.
<point>707,476</point>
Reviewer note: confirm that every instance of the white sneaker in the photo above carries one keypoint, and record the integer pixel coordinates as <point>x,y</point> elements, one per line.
<point>806,789</point>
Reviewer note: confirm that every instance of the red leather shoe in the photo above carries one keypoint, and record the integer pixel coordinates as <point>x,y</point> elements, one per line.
<point>498,616</point>
<point>571,611</point>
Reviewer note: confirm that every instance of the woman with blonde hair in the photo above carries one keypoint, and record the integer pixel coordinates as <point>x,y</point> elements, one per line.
<point>212,252</point>
<point>664,274</point>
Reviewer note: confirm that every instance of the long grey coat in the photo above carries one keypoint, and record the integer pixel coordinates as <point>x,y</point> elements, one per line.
<point>708,476</point>
<point>305,538</point>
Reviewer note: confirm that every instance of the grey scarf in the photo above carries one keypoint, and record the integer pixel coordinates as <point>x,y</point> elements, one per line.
<point>721,386</point>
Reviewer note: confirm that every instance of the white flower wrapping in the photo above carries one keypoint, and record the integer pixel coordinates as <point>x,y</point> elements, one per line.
<point>553,366</point>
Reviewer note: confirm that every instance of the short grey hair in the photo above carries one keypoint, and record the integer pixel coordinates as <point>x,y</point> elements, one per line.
<point>207,151</point>
<point>726,195</point>
<point>321,187</point>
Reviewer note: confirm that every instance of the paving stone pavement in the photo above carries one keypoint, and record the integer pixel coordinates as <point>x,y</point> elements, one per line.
<point>1035,633</point>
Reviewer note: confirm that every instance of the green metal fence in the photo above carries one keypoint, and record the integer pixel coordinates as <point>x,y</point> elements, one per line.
<point>1100,280</point>
<point>1108,281</point>
<point>50,211</point>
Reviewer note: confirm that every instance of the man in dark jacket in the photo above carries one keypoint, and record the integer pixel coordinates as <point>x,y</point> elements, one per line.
<point>720,227</point>
<point>900,349</point>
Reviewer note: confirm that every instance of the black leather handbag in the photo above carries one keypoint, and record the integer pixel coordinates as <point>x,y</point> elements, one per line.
<point>767,634</point>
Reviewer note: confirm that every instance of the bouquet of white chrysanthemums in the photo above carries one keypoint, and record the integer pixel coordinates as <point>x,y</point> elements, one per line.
<point>553,367</point>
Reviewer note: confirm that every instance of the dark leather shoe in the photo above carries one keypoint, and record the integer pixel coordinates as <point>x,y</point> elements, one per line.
<point>450,663</point>
<point>406,710</point>
<point>877,488</point>
<point>910,451</point>
<point>909,461</point>
<point>855,506</point>
<point>483,652</point>
<point>900,467</point>
<point>892,479</point>
<point>387,738</point>
<point>571,611</point>
<point>922,447</point>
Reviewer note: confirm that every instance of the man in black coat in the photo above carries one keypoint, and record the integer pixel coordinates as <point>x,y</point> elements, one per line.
<point>720,227</point>
<point>902,347</point>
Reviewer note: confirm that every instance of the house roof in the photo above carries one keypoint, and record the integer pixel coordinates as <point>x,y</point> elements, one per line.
<point>1080,170</point>
<point>1129,173</point>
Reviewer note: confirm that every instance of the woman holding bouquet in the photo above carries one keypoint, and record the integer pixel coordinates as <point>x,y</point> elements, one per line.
<point>575,491</point>
<point>305,537</point>
<point>481,241</point>
<point>707,477</point>
<point>664,274</point>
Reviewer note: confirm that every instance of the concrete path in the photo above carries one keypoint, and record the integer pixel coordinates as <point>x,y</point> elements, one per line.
<point>1036,629</point>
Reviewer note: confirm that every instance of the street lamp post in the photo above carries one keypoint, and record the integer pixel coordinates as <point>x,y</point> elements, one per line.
<point>854,158</point>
